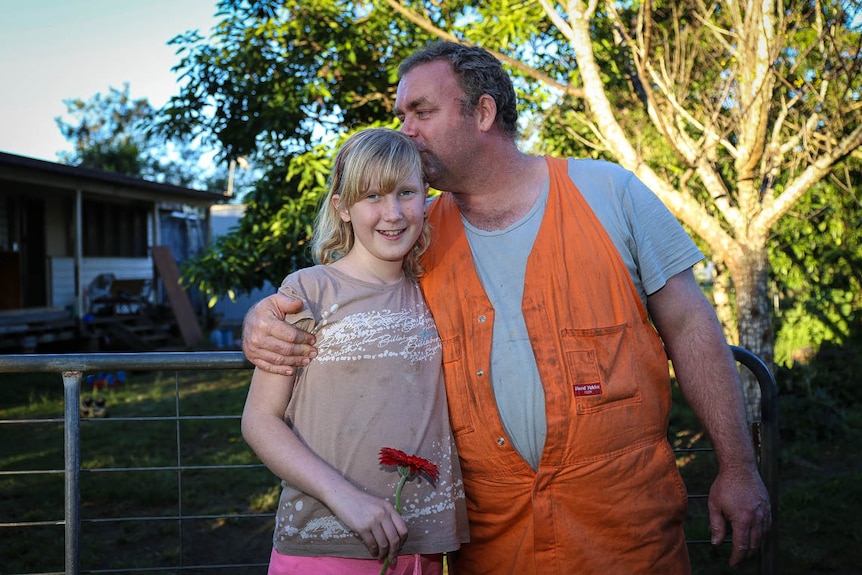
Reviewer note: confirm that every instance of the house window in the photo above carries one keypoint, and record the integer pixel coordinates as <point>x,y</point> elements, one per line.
<point>114,230</point>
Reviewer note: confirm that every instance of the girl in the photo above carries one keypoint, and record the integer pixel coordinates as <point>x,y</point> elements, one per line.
<point>376,382</point>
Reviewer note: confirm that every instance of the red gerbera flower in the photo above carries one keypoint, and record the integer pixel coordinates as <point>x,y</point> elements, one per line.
<point>412,464</point>
<point>408,466</point>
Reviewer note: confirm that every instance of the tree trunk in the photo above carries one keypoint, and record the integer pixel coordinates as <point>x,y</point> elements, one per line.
<point>750,275</point>
<point>721,292</point>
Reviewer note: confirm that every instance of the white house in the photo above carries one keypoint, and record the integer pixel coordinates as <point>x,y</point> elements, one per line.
<point>62,227</point>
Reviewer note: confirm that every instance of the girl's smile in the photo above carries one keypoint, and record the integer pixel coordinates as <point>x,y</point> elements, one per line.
<point>386,225</point>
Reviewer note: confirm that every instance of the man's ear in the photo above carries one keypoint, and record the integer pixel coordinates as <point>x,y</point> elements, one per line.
<point>486,112</point>
<point>342,213</point>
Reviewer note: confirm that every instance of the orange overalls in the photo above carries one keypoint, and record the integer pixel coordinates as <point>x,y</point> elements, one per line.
<point>607,497</point>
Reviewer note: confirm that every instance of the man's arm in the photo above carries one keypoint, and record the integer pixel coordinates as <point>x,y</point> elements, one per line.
<point>272,344</point>
<point>707,375</point>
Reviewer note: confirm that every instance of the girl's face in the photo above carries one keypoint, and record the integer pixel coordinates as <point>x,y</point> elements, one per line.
<point>386,225</point>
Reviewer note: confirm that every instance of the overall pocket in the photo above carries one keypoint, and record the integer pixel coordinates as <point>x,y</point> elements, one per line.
<point>600,363</point>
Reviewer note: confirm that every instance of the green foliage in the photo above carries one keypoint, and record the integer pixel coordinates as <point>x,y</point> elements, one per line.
<point>815,255</point>
<point>107,132</point>
<point>831,374</point>
<point>275,77</point>
<point>113,132</point>
<point>267,243</point>
<point>281,82</point>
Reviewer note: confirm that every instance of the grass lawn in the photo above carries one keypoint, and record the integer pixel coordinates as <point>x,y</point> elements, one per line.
<point>820,514</point>
<point>141,498</point>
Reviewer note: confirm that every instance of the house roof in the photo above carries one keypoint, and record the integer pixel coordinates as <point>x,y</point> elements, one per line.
<point>22,169</point>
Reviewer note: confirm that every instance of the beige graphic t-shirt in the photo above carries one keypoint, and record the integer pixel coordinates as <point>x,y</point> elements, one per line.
<point>377,382</point>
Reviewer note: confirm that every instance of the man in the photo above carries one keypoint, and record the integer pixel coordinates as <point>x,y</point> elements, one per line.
<point>545,277</point>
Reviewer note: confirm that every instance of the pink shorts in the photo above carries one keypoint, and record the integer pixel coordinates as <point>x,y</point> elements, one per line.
<point>406,565</point>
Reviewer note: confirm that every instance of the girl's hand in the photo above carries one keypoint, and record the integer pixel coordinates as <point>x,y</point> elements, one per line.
<point>375,520</point>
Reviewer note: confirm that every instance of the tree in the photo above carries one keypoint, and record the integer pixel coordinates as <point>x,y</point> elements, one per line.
<point>107,134</point>
<point>113,132</point>
<point>731,112</point>
<point>816,250</point>
<point>280,83</point>
<point>277,77</point>
<point>758,102</point>
<point>271,238</point>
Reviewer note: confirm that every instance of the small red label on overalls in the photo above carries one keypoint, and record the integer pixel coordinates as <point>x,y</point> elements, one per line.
<point>584,389</point>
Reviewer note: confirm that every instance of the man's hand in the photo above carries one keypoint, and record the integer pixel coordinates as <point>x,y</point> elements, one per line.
<point>740,497</point>
<point>272,344</point>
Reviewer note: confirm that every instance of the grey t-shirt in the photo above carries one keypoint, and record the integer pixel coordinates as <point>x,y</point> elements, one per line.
<point>519,393</point>
<point>650,241</point>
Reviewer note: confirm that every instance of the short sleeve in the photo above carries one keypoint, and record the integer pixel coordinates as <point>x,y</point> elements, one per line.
<point>652,243</point>
<point>292,287</point>
<point>663,247</point>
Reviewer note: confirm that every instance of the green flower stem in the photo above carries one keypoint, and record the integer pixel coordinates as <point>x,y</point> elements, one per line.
<point>405,473</point>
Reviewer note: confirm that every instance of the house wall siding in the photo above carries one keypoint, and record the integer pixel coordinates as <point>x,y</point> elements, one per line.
<point>63,274</point>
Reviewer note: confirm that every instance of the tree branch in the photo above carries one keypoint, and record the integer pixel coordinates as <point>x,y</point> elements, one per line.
<point>816,171</point>
<point>429,27</point>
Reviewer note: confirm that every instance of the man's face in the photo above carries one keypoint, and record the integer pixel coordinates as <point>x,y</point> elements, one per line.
<point>428,103</point>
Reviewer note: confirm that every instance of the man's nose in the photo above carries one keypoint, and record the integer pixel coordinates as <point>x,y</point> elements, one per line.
<point>407,127</point>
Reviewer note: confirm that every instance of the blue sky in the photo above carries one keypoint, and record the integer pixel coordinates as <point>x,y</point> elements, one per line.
<point>54,50</point>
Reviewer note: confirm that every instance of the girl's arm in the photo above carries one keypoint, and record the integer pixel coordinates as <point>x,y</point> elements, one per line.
<point>375,520</point>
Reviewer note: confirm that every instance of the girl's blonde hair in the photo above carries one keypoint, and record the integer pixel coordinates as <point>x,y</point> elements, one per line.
<point>380,155</point>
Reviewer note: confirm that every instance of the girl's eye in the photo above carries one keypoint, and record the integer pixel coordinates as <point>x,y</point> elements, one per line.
<point>407,193</point>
